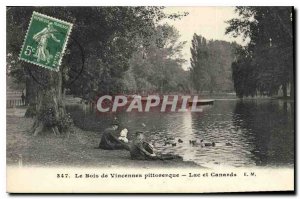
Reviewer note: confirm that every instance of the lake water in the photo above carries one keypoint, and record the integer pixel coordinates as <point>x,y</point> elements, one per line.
<point>260,132</point>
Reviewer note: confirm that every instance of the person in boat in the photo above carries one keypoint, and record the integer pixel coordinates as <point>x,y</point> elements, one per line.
<point>142,150</point>
<point>110,142</point>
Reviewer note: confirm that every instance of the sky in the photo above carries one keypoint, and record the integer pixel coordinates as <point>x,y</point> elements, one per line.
<point>209,22</point>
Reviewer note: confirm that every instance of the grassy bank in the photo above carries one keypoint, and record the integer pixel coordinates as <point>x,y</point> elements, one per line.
<point>74,150</point>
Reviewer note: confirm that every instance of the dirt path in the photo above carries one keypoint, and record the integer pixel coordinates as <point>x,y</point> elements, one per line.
<point>77,149</point>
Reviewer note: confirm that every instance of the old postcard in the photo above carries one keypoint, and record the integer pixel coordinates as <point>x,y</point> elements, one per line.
<point>150,99</point>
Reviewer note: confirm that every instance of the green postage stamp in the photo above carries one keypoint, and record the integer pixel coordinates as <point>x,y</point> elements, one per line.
<point>45,41</point>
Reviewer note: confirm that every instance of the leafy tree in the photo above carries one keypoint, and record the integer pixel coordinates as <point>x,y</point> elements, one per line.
<point>270,50</point>
<point>199,62</point>
<point>211,64</point>
<point>243,75</point>
<point>102,42</point>
<point>156,67</point>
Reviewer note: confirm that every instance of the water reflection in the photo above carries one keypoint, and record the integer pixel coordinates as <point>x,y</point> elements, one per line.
<point>271,124</point>
<point>261,132</point>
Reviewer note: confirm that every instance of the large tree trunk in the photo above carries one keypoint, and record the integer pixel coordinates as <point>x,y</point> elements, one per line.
<point>31,96</point>
<point>292,91</point>
<point>51,115</point>
<point>284,90</point>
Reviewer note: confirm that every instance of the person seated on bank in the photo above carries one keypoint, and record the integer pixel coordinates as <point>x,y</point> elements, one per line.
<point>110,142</point>
<point>142,150</point>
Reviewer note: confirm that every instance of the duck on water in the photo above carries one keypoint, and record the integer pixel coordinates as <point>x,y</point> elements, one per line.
<point>202,143</point>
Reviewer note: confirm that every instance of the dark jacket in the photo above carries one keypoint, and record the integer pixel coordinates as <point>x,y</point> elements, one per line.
<point>141,151</point>
<point>110,142</point>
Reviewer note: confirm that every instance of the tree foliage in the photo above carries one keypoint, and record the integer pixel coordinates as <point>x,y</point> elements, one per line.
<point>156,67</point>
<point>210,64</point>
<point>266,64</point>
<point>101,44</point>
